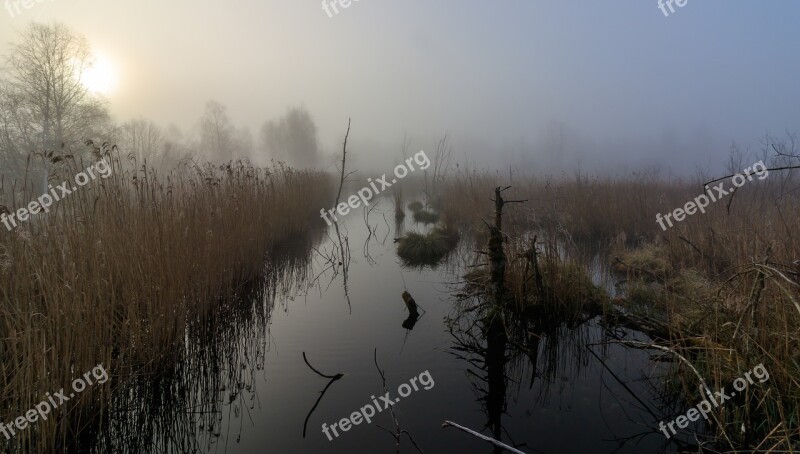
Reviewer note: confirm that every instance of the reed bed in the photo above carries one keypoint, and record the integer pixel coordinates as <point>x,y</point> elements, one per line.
<point>117,271</point>
<point>195,403</point>
<point>724,284</point>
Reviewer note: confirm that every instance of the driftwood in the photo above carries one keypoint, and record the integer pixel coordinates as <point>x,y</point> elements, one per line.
<point>491,440</point>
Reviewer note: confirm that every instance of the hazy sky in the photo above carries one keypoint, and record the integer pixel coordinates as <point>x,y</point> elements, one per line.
<point>624,83</point>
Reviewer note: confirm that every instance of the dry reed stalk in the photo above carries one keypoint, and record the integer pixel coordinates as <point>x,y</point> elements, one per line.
<point>117,271</point>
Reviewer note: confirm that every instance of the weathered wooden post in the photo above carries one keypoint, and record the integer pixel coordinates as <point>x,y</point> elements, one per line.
<point>410,304</point>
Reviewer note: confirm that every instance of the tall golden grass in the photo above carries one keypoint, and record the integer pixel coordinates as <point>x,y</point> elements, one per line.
<point>120,266</point>
<point>726,282</point>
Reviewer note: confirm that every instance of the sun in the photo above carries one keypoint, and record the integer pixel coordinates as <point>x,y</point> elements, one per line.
<point>101,76</point>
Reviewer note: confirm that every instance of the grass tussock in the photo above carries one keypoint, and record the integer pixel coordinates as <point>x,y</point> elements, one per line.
<point>427,249</point>
<point>554,287</point>
<point>426,217</point>
<point>724,283</point>
<point>120,268</point>
<point>726,323</point>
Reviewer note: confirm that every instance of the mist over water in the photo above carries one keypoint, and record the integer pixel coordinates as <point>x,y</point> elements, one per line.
<point>547,87</point>
<point>258,218</point>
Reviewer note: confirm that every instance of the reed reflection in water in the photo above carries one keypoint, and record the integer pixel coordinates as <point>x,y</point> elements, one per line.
<point>212,382</point>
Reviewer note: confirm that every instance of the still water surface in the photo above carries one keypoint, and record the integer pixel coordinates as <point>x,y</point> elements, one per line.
<point>249,390</point>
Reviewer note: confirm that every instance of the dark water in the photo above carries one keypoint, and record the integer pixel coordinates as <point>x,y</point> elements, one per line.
<point>246,388</point>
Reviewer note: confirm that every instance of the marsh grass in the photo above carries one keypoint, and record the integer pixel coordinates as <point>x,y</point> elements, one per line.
<point>426,217</point>
<point>122,268</point>
<point>418,249</point>
<point>194,403</point>
<point>726,283</point>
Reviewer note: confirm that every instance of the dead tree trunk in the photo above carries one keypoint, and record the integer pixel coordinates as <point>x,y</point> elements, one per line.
<point>497,255</point>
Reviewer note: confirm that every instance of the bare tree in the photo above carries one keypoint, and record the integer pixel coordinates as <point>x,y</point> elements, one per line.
<point>243,143</point>
<point>736,158</point>
<point>46,69</point>
<point>142,139</point>
<point>292,138</point>
<point>177,147</point>
<point>217,134</point>
<point>43,103</point>
<point>16,130</point>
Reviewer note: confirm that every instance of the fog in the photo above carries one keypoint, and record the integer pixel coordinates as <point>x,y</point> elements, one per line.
<point>542,86</point>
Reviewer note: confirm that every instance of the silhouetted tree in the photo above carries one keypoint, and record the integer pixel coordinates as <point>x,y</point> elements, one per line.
<point>143,139</point>
<point>43,103</point>
<point>217,132</point>
<point>292,138</point>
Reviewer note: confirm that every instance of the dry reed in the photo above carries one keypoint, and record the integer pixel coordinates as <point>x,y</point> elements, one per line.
<point>117,271</point>
<point>727,282</point>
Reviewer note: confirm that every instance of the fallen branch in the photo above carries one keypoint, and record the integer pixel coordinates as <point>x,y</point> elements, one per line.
<point>683,359</point>
<point>491,440</point>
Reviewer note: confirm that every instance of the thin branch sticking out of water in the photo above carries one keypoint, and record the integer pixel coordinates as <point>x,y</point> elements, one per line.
<point>333,378</point>
<point>397,431</point>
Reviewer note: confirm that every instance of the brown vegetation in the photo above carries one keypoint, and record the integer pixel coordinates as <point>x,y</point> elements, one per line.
<point>117,272</point>
<point>725,284</point>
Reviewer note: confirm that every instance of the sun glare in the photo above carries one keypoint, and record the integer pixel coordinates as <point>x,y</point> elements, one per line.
<point>100,78</point>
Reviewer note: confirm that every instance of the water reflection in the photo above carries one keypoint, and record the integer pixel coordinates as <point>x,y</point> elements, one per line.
<point>209,382</point>
<point>535,376</point>
<point>333,379</point>
<point>536,356</point>
<point>411,321</point>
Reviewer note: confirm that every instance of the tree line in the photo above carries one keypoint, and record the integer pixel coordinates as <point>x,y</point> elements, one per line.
<point>46,111</point>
